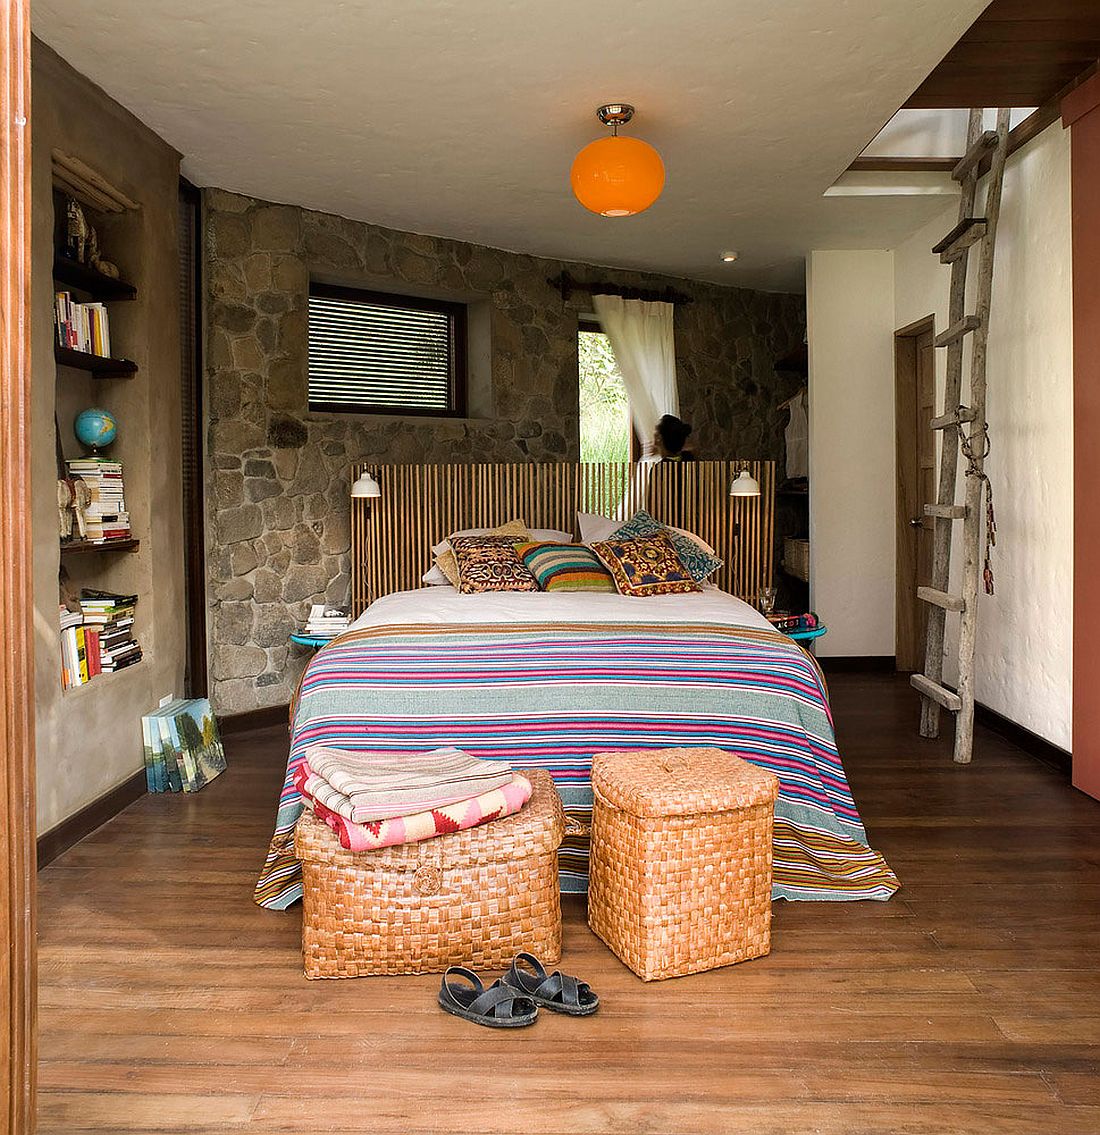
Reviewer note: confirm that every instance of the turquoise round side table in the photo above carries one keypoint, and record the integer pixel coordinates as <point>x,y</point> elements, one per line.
<point>308,640</point>
<point>808,636</point>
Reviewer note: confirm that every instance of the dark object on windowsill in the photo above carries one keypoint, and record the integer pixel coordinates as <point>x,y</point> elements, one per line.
<point>796,361</point>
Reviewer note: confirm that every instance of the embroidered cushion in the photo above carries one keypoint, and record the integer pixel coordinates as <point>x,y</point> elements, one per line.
<point>698,562</point>
<point>446,561</point>
<point>490,563</point>
<point>565,567</point>
<point>647,565</point>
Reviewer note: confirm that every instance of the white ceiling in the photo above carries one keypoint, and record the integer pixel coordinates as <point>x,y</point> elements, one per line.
<point>460,118</point>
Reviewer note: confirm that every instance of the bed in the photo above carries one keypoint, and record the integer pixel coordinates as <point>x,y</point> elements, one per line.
<point>547,679</point>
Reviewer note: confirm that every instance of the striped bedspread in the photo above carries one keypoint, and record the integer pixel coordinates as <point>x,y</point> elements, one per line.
<point>549,696</point>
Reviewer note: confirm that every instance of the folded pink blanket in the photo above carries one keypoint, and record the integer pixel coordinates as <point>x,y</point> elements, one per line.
<point>374,785</point>
<point>492,805</point>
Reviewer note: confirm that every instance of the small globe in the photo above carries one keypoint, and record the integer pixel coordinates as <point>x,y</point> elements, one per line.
<point>95,428</point>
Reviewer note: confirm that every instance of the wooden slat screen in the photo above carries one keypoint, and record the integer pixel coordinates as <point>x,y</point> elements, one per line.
<point>392,536</point>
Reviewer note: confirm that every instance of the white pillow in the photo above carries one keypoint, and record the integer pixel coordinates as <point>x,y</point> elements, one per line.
<point>433,577</point>
<point>595,528</point>
<point>542,535</point>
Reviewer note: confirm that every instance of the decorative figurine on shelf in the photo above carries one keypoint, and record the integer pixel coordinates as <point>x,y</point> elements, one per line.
<point>104,267</point>
<point>76,231</point>
<point>73,498</point>
<point>96,428</point>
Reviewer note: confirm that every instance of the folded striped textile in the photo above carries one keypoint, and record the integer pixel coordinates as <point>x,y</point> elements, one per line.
<point>492,805</point>
<point>380,785</point>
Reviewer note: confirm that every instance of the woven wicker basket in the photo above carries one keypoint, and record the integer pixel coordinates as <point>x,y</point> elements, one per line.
<point>796,557</point>
<point>475,897</point>
<point>680,877</point>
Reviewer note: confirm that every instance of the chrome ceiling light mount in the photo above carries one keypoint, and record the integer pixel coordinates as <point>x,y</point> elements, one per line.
<point>615,114</point>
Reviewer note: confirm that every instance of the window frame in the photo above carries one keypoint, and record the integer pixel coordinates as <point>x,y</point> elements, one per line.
<point>457,313</point>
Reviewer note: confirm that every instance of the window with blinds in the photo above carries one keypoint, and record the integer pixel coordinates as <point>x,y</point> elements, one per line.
<point>371,353</point>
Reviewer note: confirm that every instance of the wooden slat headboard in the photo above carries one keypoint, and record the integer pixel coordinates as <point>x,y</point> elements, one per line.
<point>392,536</point>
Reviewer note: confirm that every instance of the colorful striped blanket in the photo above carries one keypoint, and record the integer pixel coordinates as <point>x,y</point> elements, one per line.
<point>551,695</point>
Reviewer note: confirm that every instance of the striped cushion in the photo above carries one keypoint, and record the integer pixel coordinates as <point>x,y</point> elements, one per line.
<point>565,567</point>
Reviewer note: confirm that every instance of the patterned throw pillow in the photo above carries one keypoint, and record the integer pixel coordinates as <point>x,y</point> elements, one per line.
<point>648,565</point>
<point>566,567</point>
<point>446,561</point>
<point>698,562</point>
<point>490,563</point>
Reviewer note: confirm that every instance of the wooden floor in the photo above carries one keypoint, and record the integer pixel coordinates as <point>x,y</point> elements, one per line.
<point>969,1003</point>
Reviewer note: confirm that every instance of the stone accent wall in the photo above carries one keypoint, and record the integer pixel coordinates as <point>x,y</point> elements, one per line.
<point>277,508</point>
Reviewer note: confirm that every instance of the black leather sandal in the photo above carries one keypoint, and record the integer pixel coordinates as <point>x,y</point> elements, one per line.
<point>555,991</point>
<point>498,1007</point>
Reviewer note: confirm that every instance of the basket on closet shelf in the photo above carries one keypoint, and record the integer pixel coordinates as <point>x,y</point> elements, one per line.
<point>475,897</point>
<point>796,557</point>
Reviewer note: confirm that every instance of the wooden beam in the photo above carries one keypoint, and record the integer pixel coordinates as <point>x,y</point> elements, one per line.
<point>902,165</point>
<point>18,1049</point>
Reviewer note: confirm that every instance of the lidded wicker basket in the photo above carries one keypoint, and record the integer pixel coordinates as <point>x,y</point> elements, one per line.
<point>473,897</point>
<point>680,877</point>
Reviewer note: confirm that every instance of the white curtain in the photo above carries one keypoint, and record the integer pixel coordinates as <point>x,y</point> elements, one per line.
<point>641,337</point>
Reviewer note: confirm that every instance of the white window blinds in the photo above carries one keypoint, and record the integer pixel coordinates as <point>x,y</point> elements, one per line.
<point>373,353</point>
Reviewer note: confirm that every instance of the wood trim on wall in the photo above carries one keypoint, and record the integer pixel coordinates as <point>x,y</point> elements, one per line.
<point>18,1048</point>
<point>1081,113</point>
<point>72,830</point>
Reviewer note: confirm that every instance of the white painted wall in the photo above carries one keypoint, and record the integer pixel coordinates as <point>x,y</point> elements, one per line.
<point>850,311</point>
<point>1024,637</point>
<point>1024,631</point>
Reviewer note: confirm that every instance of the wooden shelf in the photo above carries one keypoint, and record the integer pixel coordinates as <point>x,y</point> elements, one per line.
<point>79,547</point>
<point>99,366</point>
<point>91,281</point>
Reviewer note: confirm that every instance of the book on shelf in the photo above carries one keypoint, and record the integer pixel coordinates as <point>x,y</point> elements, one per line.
<point>100,640</point>
<point>326,622</point>
<point>183,751</point>
<point>82,326</point>
<point>105,518</point>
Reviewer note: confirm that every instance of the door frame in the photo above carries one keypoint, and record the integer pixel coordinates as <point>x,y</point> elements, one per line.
<point>907,646</point>
<point>18,977</point>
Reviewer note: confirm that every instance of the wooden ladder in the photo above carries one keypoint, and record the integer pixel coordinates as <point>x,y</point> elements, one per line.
<point>964,429</point>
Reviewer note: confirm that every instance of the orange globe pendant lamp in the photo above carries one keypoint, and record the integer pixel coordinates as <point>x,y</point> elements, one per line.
<point>617,177</point>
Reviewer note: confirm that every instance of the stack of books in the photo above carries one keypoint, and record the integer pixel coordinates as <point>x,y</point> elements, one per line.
<point>182,748</point>
<point>788,623</point>
<point>79,651</point>
<point>82,326</point>
<point>110,618</point>
<point>106,518</point>
<point>326,622</point>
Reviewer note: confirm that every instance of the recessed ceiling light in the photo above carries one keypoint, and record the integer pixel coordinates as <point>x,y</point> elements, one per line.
<point>729,257</point>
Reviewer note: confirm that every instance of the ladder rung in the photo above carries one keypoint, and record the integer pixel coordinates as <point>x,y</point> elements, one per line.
<point>975,154</point>
<point>940,599</point>
<point>956,331</point>
<point>936,692</point>
<point>967,232</point>
<point>946,511</point>
<point>950,421</point>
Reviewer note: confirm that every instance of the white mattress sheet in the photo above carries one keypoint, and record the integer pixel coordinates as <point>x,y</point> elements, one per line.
<point>446,605</point>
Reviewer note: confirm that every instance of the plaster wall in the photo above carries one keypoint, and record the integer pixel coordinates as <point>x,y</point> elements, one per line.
<point>88,739</point>
<point>1024,655</point>
<point>850,300</point>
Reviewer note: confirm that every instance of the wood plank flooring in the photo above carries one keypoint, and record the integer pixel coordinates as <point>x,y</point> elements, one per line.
<point>970,1003</point>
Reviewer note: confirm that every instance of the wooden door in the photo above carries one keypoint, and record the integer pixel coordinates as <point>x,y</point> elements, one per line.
<point>17,861</point>
<point>915,382</point>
